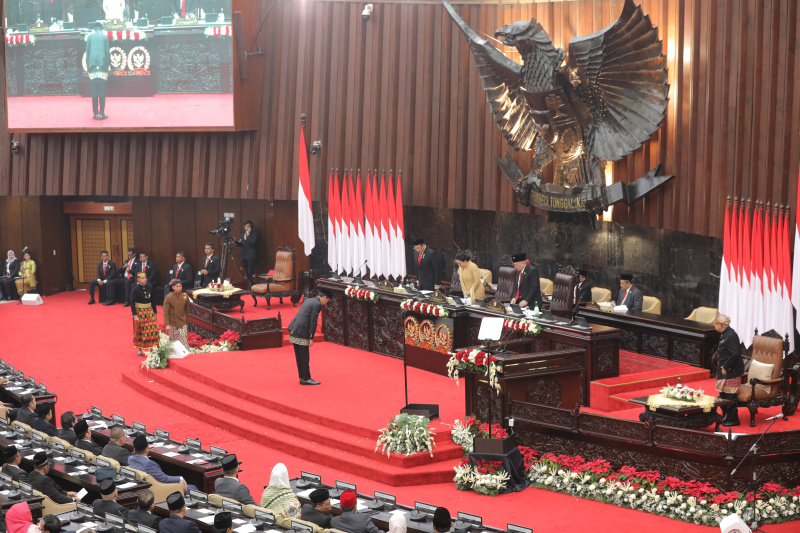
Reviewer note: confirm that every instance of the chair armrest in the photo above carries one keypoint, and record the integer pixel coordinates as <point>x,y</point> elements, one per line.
<point>276,280</point>
<point>756,381</point>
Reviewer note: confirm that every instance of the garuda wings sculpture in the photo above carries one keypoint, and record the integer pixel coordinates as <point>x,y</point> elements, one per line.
<point>602,103</point>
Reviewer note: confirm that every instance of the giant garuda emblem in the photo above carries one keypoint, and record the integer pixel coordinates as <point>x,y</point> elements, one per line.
<point>601,104</point>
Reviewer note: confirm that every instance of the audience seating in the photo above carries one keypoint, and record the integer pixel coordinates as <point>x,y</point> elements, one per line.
<point>90,457</point>
<point>651,304</point>
<point>113,462</point>
<point>45,437</point>
<point>599,294</point>
<point>755,392</point>
<point>160,490</point>
<point>67,446</point>
<point>51,507</point>
<point>25,427</point>
<point>282,283</point>
<point>546,286</point>
<point>703,314</point>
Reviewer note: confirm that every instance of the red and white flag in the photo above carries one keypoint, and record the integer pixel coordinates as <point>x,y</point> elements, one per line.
<point>796,270</point>
<point>757,275</point>
<point>400,240</point>
<point>786,279</point>
<point>332,261</point>
<point>386,241</point>
<point>337,200</point>
<point>391,205</point>
<point>305,211</point>
<point>725,267</point>
<point>369,225</point>
<point>745,307</point>
<point>359,225</point>
<point>347,251</point>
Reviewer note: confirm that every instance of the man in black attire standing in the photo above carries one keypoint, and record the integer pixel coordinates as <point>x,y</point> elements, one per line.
<point>106,271</point>
<point>584,287</point>
<point>181,271</point>
<point>527,290</point>
<point>248,242</point>
<point>210,268</point>
<point>730,368</point>
<point>151,274</point>
<point>301,333</point>
<point>429,266</point>
<point>123,281</point>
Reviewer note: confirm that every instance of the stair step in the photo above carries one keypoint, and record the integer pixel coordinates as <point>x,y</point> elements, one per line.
<point>604,390</point>
<point>353,460</point>
<point>620,401</point>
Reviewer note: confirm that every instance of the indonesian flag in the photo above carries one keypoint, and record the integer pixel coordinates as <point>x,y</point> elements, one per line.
<point>725,267</point>
<point>733,302</point>
<point>340,227</point>
<point>386,242</point>
<point>787,282</point>
<point>359,223</point>
<point>777,294</point>
<point>400,240</point>
<point>377,228</point>
<point>757,274</point>
<point>332,261</point>
<point>391,205</point>
<point>347,249</point>
<point>354,260</point>
<point>305,212</point>
<point>369,246</point>
<point>796,270</point>
<point>768,285</point>
<point>745,306</point>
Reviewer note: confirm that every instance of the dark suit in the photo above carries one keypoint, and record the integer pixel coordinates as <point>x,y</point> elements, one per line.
<point>633,298</point>
<point>105,273</point>
<point>67,435</point>
<point>354,523</point>
<point>89,446</point>
<point>529,286</point>
<point>232,488</point>
<point>729,357</point>
<point>183,273</point>
<point>15,472</point>
<point>176,524</point>
<point>7,286</point>
<point>429,268</point>
<point>310,514</point>
<point>45,427</point>
<point>101,507</point>
<point>303,326</point>
<point>98,59</point>
<point>140,516</point>
<point>249,245</point>
<point>26,416</point>
<point>48,487</point>
<point>584,291</point>
<point>123,281</point>
<point>213,266</point>
<point>189,6</point>
<point>115,451</point>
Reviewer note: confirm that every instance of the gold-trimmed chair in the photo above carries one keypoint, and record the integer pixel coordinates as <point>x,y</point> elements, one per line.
<point>599,294</point>
<point>651,304</point>
<point>703,314</point>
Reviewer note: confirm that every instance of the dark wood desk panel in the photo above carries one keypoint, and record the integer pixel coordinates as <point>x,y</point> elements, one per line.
<point>34,503</point>
<point>675,339</point>
<point>14,396</point>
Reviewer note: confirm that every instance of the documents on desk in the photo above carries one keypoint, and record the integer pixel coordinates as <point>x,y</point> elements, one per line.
<point>620,308</point>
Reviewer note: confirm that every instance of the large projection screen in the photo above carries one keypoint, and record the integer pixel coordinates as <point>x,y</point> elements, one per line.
<point>119,65</point>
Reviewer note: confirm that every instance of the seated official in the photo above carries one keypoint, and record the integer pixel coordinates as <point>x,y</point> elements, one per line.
<point>350,520</point>
<point>584,288</point>
<point>11,468</point>
<point>106,271</point>
<point>319,510</point>
<point>223,523</point>
<point>140,461</point>
<point>40,481</point>
<point>230,486</point>
<point>177,523</point>
<point>114,448</point>
<point>66,432</point>
<point>278,496</point>
<point>123,281</point>
<point>210,268</point>
<point>84,438</point>
<point>441,520</point>
<point>8,275</point>
<point>470,276</point>
<point>629,295</point>
<point>27,412</point>
<point>144,514</point>
<point>44,414</point>
<point>108,502</point>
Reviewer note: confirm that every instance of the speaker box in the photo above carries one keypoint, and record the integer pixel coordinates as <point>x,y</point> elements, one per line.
<point>32,299</point>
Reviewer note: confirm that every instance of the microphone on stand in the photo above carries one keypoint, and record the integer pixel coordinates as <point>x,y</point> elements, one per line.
<point>776,416</point>
<point>357,279</point>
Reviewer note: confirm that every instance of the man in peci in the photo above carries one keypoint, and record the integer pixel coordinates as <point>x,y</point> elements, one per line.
<point>145,330</point>
<point>301,333</point>
<point>583,290</point>
<point>527,291</point>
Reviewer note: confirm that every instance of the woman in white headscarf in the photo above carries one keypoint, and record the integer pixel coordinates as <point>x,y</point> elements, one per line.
<point>278,496</point>
<point>397,523</point>
<point>9,274</point>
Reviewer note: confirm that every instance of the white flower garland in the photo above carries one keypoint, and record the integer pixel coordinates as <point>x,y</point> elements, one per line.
<point>406,434</point>
<point>477,361</point>
<point>469,478</point>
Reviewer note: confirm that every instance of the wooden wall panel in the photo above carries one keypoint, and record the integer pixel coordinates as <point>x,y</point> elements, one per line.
<point>401,92</point>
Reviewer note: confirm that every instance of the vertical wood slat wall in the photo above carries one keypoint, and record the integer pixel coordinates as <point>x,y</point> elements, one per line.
<point>401,92</point>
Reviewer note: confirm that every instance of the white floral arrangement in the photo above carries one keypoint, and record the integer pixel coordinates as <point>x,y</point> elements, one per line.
<point>463,434</point>
<point>424,309</point>
<point>406,434</point>
<point>477,361</point>
<point>683,393</point>
<point>361,294</point>
<point>486,477</point>
<point>523,325</point>
<point>22,38</point>
<point>608,307</point>
<point>218,31</point>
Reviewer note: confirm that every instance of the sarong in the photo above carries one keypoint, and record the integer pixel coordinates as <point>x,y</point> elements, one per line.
<point>179,334</point>
<point>145,330</point>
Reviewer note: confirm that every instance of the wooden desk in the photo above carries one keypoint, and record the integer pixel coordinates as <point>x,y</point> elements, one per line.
<point>689,417</point>
<point>675,339</point>
<point>13,391</point>
<point>218,301</point>
<point>254,334</point>
<point>34,502</point>
<point>200,511</point>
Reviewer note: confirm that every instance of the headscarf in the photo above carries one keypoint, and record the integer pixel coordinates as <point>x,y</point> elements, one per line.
<point>397,523</point>
<point>12,257</point>
<point>18,519</point>
<point>279,479</point>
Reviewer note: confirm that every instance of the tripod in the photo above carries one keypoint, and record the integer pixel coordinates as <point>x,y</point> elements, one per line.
<point>229,253</point>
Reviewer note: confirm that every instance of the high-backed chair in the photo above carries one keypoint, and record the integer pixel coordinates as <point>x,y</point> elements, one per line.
<point>651,304</point>
<point>67,446</point>
<point>45,437</point>
<point>250,510</point>
<point>546,286</point>
<point>113,462</point>
<point>599,294</point>
<point>563,302</point>
<point>767,381</point>
<point>505,283</point>
<point>703,314</point>
<point>51,507</point>
<point>90,457</point>
<point>282,283</point>
<point>160,490</point>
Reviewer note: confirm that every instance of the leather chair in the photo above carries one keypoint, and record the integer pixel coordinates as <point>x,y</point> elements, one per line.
<point>282,283</point>
<point>113,462</point>
<point>45,437</point>
<point>505,283</point>
<point>546,286</point>
<point>703,314</point>
<point>90,457</point>
<point>25,427</point>
<point>769,349</point>
<point>562,303</point>
<point>51,507</point>
<point>651,304</point>
<point>599,294</point>
<point>160,490</point>
<point>67,446</point>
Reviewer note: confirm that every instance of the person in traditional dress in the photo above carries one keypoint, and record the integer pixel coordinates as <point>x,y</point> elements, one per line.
<point>278,496</point>
<point>9,274</point>
<point>730,368</point>
<point>26,281</point>
<point>470,275</point>
<point>176,313</point>
<point>145,330</point>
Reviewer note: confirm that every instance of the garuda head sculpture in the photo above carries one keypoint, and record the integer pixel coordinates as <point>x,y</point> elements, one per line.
<point>577,110</point>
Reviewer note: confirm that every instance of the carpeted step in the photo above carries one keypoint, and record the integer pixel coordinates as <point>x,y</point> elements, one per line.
<point>620,401</point>
<point>603,390</point>
<point>352,460</point>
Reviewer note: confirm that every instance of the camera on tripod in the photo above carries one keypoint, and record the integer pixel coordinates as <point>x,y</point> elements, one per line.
<point>223,228</point>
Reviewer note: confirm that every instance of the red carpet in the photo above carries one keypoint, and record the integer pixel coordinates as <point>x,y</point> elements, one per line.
<point>82,353</point>
<point>159,111</point>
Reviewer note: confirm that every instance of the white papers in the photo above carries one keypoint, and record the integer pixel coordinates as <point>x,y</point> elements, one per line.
<point>5,492</point>
<point>196,455</point>
<point>82,494</point>
<point>398,511</point>
<point>168,446</point>
<point>82,467</point>
<point>29,457</point>
<point>170,454</point>
<point>620,308</point>
<point>127,485</point>
<point>207,519</point>
<point>247,528</point>
<point>38,449</point>
<point>239,521</point>
<point>360,505</point>
<point>87,525</point>
<point>191,462</point>
<point>305,493</point>
<point>205,511</point>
